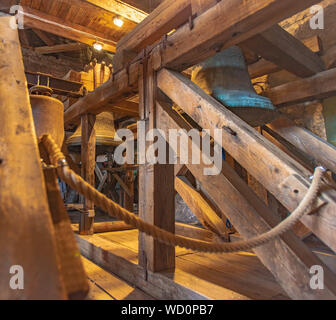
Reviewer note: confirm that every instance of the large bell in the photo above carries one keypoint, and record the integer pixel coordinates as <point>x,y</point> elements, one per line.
<point>105,132</point>
<point>48,114</point>
<point>225,77</point>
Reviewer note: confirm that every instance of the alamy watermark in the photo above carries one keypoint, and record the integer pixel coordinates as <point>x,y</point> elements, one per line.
<point>317,280</point>
<point>17,21</point>
<point>16,281</point>
<point>317,21</point>
<point>193,147</point>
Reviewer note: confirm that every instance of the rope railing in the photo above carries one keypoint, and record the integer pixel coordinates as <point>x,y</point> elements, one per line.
<point>81,186</point>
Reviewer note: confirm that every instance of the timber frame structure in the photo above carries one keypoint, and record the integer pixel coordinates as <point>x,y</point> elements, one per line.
<point>151,64</point>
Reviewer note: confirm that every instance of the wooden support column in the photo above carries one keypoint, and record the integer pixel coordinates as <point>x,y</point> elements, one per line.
<point>156,185</point>
<point>88,155</point>
<point>27,236</point>
<point>129,198</point>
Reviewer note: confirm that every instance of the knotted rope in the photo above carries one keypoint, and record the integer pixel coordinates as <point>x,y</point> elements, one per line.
<point>115,210</point>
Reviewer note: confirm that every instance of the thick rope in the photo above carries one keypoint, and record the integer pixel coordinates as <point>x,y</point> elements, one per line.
<point>113,209</point>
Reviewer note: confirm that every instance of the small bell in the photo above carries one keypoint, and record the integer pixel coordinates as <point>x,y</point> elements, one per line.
<point>105,132</point>
<point>225,77</point>
<point>48,113</point>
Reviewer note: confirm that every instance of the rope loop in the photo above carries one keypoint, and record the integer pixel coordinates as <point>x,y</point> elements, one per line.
<point>77,183</point>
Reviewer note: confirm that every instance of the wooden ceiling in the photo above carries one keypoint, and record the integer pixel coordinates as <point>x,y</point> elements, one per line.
<point>84,21</point>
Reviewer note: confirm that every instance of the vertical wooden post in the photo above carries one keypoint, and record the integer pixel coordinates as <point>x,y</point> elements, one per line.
<point>27,235</point>
<point>88,154</point>
<point>156,186</point>
<point>129,199</point>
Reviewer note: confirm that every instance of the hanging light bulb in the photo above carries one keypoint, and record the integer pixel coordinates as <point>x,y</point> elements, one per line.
<point>118,22</point>
<point>98,46</point>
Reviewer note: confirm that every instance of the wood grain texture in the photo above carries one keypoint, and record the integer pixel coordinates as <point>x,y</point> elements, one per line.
<point>250,216</point>
<point>156,187</point>
<point>88,159</point>
<point>320,86</point>
<point>281,48</point>
<point>267,163</point>
<point>26,231</point>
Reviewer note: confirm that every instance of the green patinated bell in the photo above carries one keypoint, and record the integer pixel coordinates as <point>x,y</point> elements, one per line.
<point>225,77</point>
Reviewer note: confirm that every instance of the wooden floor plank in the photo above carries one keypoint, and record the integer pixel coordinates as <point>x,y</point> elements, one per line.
<point>233,271</point>
<point>130,238</point>
<point>237,276</point>
<point>112,286</point>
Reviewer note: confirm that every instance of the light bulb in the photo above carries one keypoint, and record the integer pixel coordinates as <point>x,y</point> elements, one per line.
<point>97,46</point>
<point>118,22</point>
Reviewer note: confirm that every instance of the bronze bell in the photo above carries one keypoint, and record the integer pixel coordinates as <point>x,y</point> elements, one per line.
<point>48,113</point>
<point>105,132</point>
<point>225,77</point>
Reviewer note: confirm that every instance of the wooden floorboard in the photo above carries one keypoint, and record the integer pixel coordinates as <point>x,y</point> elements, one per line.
<point>223,277</point>
<point>106,286</point>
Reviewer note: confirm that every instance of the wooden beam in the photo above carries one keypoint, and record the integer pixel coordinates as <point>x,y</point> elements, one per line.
<point>74,276</point>
<point>263,67</point>
<point>281,48</point>
<point>168,15</point>
<point>60,48</point>
<point>122,183</point>
<point>26,229</point>
<point>88,158</point>
<point>156,186</point>
<point>121,9</point>
<point>251,216</point>
<point>187,47</point>
<point>124,107</point>
<point>112,90</point>
<point>129,198</point>
<point>247,18</point>
<point>200,207</point>
<point>111,226</point>
<point>39,20</point>
<point>286,179</point>
<point>44,37</point>
<point>320,86</point>
<point>313,146</point>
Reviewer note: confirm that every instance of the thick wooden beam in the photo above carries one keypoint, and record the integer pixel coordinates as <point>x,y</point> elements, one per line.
<point>124,107</point>
<point>187,47</point>
<point>121,9</point>
<point>281,48</point>
<point>200,207</point>
<point>168,15</point>
<point>74,276</point>
<point>251,216</point>
<point>60,48</point>
<point>129,198</point>
<point>44,37</point>
<point>112,90</point>
<point>263,67</point>
<point>313,146</point>
<point>156,185</point>
<point>42,21</point>
<point>26,229</point>
<point>320,86</point>
<point>286,179</point>
<point>88,156</point>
